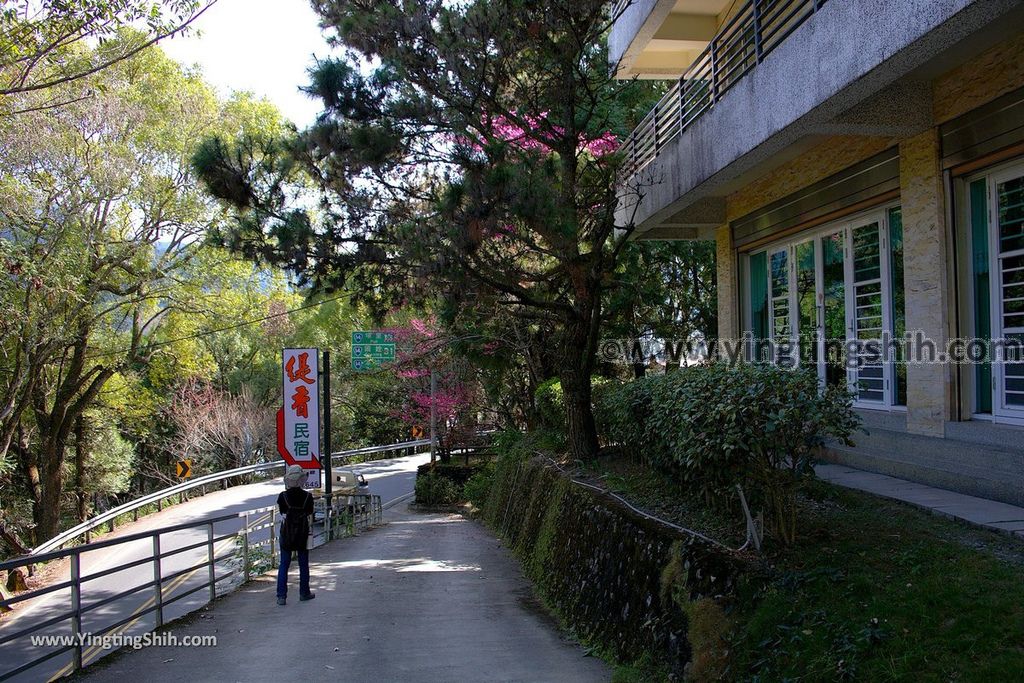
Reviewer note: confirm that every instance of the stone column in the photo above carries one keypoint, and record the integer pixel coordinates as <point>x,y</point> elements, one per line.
<point>728,286</point>
<point>925,246</point>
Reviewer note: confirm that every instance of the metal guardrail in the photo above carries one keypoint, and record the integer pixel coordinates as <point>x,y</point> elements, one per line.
<point>357,512</point>
<point>157,497</point>
<point>757,28</point>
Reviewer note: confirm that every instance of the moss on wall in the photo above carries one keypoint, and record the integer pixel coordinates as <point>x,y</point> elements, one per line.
<point>601,567</point>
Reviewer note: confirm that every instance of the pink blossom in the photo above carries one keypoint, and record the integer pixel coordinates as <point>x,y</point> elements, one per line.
<point>541,139</point>
<point>606,144</point>
<point>423,327</point>
<point>501,231</point>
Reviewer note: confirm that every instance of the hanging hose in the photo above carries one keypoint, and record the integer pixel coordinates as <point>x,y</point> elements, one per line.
<point>752,534</point>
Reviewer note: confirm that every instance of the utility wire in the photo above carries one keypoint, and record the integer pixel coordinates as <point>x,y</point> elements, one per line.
<point>228,328</point>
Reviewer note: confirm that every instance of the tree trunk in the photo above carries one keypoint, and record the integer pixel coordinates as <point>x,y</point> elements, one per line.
<point>639,370</point>
<point>80,450</point>
<point>12,539</point>
<point>47,511</point>
<point>581,429</point>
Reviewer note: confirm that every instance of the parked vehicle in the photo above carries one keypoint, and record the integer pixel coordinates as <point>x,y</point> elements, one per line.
<point>345,485</point>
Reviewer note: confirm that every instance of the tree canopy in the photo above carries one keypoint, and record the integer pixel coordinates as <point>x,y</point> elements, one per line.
<point>45,44</point>
<point>466,153</point>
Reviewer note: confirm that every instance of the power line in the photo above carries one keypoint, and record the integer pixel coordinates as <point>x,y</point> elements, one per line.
<point>228,328</point>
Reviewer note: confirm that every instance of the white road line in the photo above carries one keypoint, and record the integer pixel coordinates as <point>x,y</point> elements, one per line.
<point>396,501</point>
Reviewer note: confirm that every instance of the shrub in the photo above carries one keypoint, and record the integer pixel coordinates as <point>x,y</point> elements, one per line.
<point>456,472</point>
<point>435,490</point>
<point>714,427</point>
<point>478,487</point>
<point>550,401</point>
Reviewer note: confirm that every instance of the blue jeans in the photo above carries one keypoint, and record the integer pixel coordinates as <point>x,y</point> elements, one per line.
<point>282,573</point>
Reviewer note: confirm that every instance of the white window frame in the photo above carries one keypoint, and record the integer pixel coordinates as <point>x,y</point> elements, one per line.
<point>1001,412</point>
<point>846,225</point>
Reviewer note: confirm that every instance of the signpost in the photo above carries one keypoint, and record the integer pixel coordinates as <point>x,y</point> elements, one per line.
<point>298,421</point>
<point>372,349</point>
<point>184,469</point>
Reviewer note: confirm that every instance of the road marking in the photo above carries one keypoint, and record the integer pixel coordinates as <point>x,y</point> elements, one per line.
<point>398,500</point>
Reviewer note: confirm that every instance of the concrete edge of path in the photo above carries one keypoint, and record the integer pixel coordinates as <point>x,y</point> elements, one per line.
<point>980,512</point>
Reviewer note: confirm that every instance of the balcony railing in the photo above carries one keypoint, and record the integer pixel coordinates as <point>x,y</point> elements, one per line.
<point>742,43</point>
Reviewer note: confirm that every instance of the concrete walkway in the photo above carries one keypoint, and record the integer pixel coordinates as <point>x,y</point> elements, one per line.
<point>429,597</point>
<point>980,511</point>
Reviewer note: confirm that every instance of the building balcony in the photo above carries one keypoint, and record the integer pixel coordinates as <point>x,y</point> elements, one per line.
<point>763,82</point>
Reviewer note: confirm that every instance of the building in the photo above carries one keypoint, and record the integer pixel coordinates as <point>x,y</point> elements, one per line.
<point>860,164</point>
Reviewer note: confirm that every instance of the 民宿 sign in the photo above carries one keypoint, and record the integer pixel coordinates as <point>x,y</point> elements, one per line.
<point>298,421</point>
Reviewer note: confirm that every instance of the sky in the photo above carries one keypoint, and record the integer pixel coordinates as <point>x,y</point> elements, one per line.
<point>263,46</point>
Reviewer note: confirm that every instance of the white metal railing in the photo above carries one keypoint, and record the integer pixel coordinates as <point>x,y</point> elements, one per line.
<point>157,497</point>
<point>356,513</point>
<point>757,28</point>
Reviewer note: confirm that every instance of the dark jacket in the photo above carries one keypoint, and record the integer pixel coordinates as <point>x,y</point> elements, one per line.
<point>295,502</point>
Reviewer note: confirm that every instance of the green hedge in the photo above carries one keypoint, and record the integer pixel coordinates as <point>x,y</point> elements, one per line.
<point>713,427</point>
<point>432,489</point>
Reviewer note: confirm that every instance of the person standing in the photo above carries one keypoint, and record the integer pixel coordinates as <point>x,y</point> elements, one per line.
<point>296,506</point>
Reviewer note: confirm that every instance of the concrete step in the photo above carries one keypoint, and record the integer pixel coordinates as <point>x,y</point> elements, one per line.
<point>994,515</point>
<point>970,467</point>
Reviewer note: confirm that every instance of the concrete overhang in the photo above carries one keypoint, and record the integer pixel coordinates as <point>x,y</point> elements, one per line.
<point>880,56</point>
<point>660,38</point>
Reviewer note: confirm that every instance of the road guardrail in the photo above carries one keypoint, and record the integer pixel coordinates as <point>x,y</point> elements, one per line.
<point>358,512</point>
<point>157,497</point>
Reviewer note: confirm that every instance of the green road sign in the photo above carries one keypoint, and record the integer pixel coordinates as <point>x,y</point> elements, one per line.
<point>372,349</point>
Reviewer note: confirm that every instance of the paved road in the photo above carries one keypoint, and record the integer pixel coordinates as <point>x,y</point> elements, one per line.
<point>390,479</point>
<point>429,597</point>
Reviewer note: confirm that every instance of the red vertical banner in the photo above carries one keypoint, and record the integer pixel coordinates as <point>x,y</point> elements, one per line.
<point>298,422</point>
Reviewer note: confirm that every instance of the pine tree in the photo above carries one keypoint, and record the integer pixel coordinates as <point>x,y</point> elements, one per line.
<point>467,153</point>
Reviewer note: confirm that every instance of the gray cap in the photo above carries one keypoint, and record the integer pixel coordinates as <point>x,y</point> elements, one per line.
<point>294,477</point>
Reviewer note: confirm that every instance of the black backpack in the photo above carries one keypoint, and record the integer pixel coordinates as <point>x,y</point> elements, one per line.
<point>295,527</point>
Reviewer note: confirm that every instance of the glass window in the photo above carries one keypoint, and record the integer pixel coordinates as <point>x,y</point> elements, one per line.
<point>824,291</point>
<point>1010,204</point>
<point>898,300</point>
<point>1011,215</point>
<point>806,303</point>
<point>982,291</point>
<point>868,319</point>
<point>834,291</point>
<point>759,299</point>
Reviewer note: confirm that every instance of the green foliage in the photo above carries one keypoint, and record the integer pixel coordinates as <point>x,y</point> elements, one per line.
<point>112,294</point>
<point>41,43</point>
<point>434,489</point>
<point>111,461</point>
<point>716,427</point>
<point>550,401</point>
<point>667,289</point>
<point>707,630</point>
<point>645,670</point>
<point>426,190</point>
<point>878,591</point>
<point>477,488</point>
